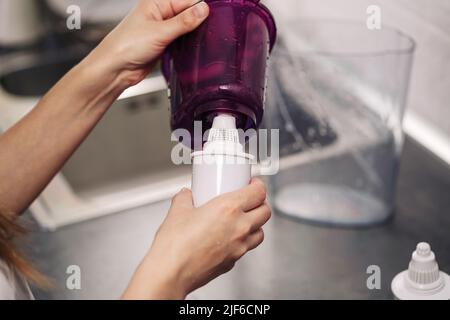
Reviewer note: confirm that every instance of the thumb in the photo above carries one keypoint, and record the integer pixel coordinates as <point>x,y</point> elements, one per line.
<point>185,22</point>
<point>183,199</point>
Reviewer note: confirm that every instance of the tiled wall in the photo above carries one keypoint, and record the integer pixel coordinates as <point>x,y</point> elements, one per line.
<point>427,21</point>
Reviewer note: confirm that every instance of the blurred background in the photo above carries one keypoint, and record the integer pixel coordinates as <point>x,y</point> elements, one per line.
<point>429,26</point>
<point>356,109</point>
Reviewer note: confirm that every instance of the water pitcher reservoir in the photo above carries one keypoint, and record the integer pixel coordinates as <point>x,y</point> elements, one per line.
<point>338,93</point>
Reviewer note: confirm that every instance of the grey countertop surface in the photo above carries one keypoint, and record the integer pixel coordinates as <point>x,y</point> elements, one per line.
<point>296,261</point>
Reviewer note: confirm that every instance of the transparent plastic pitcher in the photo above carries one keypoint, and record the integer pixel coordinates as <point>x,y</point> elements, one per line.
<point>337,93</point>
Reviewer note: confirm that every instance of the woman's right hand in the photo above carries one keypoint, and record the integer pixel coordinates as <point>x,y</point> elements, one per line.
<point>195,245</point>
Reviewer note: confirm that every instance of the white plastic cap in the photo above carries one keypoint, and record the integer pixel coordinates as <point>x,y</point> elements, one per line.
<point>224,121</point>
<point>422,280</point>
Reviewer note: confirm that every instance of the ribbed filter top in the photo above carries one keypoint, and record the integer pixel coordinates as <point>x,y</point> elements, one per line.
<point>223,137</point>
<point>423,280</point>
<point>220,134</point>
<point>423,270</point>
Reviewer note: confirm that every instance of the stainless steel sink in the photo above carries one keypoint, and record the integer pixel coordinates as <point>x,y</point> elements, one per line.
<point>124,163</point>
<point>39,76</point>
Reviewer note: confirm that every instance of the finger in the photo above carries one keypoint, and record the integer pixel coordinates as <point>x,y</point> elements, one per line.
<point>164,9</point>
<point>258,217</point>
<point>251,196</point>
<point>184,22</point>
<point>170,8</point>
<point>183,199</point>
<point>255,239</point>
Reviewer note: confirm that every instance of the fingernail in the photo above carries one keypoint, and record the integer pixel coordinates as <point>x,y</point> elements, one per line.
<point>201,10</point>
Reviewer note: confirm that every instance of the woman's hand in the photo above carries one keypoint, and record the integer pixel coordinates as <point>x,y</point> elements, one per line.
<point>195,245</point>
<point>133,47</point>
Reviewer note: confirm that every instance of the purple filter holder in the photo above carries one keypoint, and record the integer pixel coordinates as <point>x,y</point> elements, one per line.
<point>221,66</point>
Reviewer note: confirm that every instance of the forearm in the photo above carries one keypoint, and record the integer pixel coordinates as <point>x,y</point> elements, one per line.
<point>35,149</point>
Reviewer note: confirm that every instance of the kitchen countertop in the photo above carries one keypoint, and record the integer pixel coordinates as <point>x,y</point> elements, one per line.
<point>296,261</point>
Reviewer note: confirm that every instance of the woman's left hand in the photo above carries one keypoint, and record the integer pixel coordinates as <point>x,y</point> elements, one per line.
<point>133,47</point>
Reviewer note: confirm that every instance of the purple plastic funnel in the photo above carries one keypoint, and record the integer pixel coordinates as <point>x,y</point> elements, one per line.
<point>221,66</point>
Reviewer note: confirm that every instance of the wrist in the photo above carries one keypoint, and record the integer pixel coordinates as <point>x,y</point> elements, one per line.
<point>107,68</point>
<point>94,85</point>
<point>99,73</point>
<point>155,279</point>
<point>168,282</point>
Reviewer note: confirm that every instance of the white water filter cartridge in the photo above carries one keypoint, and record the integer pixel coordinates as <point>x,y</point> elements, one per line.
<point>422,280</point>
<point>222,166</point>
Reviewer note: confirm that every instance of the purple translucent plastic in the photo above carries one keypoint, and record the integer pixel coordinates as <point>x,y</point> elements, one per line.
<point>221,66</point>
